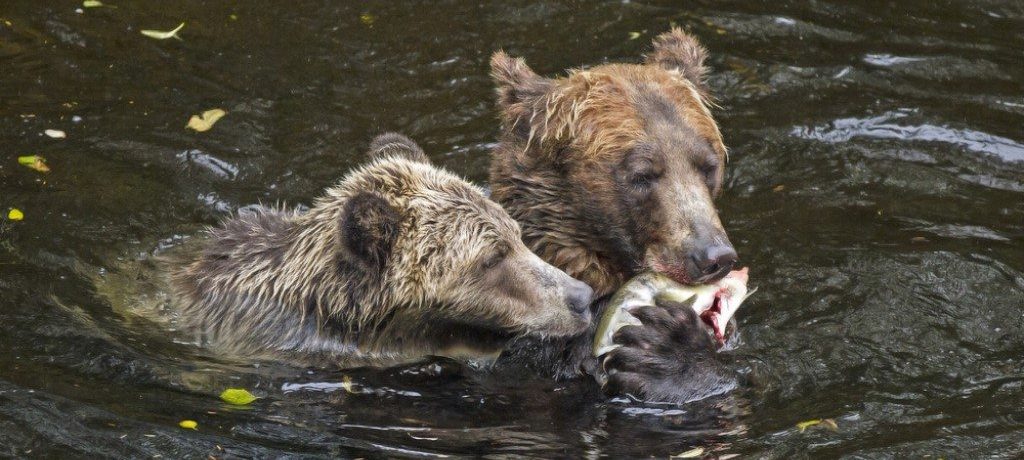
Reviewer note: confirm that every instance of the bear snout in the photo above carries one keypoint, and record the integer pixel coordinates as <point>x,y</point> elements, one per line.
<point>578,296</point>
<point>702,263</point>
<point>711,263</point>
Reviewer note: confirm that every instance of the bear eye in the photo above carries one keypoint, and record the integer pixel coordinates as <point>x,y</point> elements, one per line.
<point>643,179</point>
<point>708,171</point>
<point>494,259</point>
<point>641,169</point>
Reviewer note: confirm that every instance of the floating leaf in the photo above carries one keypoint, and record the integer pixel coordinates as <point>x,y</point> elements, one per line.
<point>807,424</point>
<point>15,214</point>
<point>825,423</point>
<point>778,188</point>
<point>692,453</point>
<point>160,35</point>
<point>634,35</point>
<point>205,121</point>
<point>92,4</point>
<point>35,162</point>
<point>237,396</point>
<point>55,133</point>
<point>188,424</point>
<point>346,384</point>
<point>367,19</point>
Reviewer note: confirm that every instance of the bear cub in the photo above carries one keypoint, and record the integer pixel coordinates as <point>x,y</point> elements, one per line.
<point>398,261</point>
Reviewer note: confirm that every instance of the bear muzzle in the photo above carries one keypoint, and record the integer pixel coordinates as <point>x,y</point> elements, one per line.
<point>579,296</point>
<point>704,263</point>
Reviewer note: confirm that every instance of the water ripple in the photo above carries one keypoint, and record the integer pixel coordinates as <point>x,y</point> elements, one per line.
<point>885,127</point>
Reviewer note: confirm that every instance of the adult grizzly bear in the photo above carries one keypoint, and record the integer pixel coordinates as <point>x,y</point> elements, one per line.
<point>399,260</point>
<point>611,171</point>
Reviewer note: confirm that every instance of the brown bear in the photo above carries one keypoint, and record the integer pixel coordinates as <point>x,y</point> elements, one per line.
<point>398,261</point>
<point>611,171</point>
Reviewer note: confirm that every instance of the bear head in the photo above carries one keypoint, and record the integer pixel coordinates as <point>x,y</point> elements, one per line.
<point>612,170</point>
<point>438,261</point>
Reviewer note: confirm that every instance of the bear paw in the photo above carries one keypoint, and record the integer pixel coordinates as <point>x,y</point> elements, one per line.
<point>670,357</point>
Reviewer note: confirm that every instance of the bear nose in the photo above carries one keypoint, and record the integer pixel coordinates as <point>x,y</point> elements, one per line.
<point>714,262</point>
<point>579,296</point>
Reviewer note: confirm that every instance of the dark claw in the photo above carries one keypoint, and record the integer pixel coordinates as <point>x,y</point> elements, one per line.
<point>670,358</point>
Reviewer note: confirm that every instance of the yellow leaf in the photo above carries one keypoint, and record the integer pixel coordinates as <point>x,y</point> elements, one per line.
<point>35,162</point>
<point>346,384</point>
<point>634,35</point>
<point>92,3</point>
<point>692,453</point>
<point>15,214</point>
<point>55,133</point>
<point>237,396</point>
<point>823,423</point>
<point>367,19</point>
<point>807,424</point>
<point>160,35</point>
<point>188,424</point>
<point>205,121</point>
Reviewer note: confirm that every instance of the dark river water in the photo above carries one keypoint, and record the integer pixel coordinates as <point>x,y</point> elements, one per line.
<point>875,188</point>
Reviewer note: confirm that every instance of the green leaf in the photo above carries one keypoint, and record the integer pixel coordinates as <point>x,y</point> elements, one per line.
<point>92,4</point>
<point>237,396</point>
<point>34,162</point>
<point>160,35</point>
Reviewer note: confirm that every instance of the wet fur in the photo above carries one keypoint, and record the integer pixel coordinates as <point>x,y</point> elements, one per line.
<point>355,278</point>
<point>568,148</point>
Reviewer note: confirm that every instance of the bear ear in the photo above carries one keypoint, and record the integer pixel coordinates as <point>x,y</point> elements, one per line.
<point>516,84</point>
<point>680,51</point>
<point>394,144</point>
<point>369,227</point>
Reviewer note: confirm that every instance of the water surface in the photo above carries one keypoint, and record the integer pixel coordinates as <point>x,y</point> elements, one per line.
<point>875,188</point>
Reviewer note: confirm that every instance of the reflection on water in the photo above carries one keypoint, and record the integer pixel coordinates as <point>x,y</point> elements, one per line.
<point>875,188</point>
<point>883,127</point>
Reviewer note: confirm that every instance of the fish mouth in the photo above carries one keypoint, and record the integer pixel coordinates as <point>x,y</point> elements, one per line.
<point>712,318</point>
<point>716,310</point>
